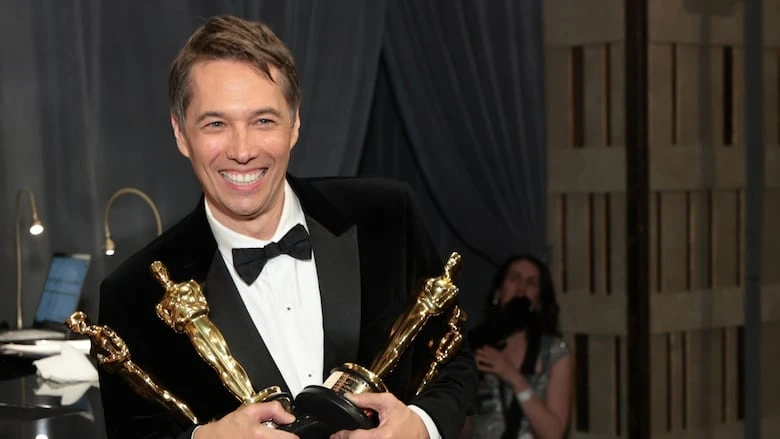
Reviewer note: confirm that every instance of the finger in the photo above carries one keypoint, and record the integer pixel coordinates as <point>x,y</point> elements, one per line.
<point>486,354</point>
<point>343,434</point>
<point>273,411</point>
<point>354,434</point>
<point>484,359</point>
<point>376,401</point>
<point>488,350</point>
<point>484,367</point>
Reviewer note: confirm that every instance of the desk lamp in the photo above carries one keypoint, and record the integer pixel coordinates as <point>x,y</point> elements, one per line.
<point>36,228</point>
<point>110,246</point>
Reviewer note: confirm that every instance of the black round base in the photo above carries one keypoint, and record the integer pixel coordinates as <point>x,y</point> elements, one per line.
<point>306,427</point>
<point>332,409</point>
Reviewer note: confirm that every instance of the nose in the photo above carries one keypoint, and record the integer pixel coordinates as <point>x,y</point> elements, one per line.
<point>240,149</point>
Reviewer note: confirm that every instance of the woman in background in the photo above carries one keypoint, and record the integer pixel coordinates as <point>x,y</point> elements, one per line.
<point>526,381</point>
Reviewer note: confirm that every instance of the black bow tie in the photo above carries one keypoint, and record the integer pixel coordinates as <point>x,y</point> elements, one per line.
<point>249,262</point>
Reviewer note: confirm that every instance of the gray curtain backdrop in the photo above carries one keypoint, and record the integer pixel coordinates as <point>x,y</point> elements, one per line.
<point>444,94</point>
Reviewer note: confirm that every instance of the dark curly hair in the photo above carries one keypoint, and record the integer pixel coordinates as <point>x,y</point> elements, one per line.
<point>548,315</point>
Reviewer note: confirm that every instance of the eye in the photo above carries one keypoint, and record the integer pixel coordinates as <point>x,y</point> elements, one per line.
<point>264,122</point>
<point>216,124</point>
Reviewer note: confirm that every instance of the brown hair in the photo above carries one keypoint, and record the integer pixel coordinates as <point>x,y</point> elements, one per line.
<point>232,38</point>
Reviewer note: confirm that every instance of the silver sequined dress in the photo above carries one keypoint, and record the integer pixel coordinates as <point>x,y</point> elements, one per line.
<point>495,396</point>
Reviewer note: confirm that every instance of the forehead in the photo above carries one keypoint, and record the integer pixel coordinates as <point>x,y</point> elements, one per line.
<point>226,82</point>
<point>524,267</point>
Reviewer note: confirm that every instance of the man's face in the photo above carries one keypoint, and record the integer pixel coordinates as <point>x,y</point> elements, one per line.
<point>238,133</point>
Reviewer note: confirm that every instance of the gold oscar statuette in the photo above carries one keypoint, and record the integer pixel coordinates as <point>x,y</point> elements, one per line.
<point>184,309</point>
<point>328,403</point>
<point>113,355</point>
<point>447,347</point>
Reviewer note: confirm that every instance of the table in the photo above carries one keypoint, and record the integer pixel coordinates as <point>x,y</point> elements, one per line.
<point>27,411</point>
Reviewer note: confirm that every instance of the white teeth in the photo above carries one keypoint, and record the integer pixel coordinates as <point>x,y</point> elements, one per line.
<point>243,179</point>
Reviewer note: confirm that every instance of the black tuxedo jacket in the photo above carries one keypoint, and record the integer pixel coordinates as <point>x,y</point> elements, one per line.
<point>372,251</point>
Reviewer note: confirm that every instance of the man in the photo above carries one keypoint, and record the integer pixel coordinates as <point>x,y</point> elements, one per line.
<point>234,101</point>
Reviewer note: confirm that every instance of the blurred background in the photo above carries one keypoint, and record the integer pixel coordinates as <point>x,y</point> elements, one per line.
<point>509,118</point>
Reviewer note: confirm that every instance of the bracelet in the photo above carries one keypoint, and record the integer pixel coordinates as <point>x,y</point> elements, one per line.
<point>525,395</point>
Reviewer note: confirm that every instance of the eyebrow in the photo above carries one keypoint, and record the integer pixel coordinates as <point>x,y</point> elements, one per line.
<point>259,112</point>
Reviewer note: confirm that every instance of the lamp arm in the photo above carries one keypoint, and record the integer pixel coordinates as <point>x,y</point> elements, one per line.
<point>134,191</point>
<point>19,310</point>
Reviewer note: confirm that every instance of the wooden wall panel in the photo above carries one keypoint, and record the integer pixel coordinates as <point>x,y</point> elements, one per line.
<point>598,170</point>
<point>673,239</point>
<point>617,243</point>
<point>697,177</point>
<point>655,242</point>
<point>586,170</point>
<point>725,238</point>
<point>617,93</point>
<point>661,115</point>
<point>596,94</point>
<point>676,311</point>
<point>557,98</point>
<point>622,380</point>
<point>602,355</point>
<point>771,95</point>
<point>699,240</point>
<point>731,360</point>
<point>577,253</point>
<point>770,238</point>
<point>659,383</point>
<point>694,21</point>
<point>680,169</point>
<point>555,237</point>
<point>600,244</point>
<point>689,103</point>
<point>725,273</point>
<point>770,365</point>
<point>703,368</point>
<point>574,22</point>
<point>703,377</point>
<point>718,22</point>
<point>738,95</point>
<point>602,378</point>
<point>676,383</point>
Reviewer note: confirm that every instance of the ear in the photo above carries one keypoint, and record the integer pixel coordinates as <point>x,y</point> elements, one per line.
<point>181,140</point>
<point>295,129</point>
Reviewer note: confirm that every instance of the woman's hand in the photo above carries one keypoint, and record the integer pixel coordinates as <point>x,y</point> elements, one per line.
<point>499,363</point>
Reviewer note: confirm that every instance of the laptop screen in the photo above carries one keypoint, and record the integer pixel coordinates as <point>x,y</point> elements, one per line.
<point>62,290</point>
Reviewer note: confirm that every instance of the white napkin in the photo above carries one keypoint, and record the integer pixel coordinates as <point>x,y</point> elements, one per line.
<point>69,393</point>
<point>70,366</point>
<point>44,348</point>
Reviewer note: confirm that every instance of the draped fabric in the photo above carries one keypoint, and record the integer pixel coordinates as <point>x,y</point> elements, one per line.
<point>465,76</point>
<point>443,94</point>
<point>459,113</point>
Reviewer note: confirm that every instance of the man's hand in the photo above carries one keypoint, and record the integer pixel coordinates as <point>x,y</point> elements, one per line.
<point>395,419</point>
<point>247,422</point>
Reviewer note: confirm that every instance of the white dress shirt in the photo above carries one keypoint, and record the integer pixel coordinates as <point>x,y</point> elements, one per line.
<point>285,299</point>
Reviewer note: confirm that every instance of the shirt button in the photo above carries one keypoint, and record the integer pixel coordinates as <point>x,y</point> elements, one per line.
<point>288,308</point>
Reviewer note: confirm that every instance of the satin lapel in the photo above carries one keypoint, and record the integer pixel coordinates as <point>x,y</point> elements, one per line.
<point>338,271</point>
<point>228,313</point>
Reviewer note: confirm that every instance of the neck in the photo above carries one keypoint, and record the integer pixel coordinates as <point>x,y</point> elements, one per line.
<point>261,226</point>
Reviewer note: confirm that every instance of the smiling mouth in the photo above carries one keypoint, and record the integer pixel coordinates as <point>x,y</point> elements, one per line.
<point>243,178</point>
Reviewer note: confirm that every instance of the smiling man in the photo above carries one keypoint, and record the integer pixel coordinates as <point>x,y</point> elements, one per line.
<point>358,249</point>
